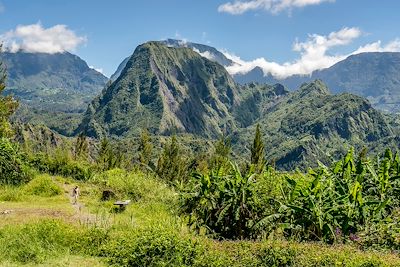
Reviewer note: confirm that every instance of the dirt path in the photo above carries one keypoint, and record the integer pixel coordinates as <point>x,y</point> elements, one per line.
<point>82,215</point>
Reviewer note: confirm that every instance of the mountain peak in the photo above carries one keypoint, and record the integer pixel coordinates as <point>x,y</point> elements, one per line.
<point>165,89</point>
<point>315,88</point>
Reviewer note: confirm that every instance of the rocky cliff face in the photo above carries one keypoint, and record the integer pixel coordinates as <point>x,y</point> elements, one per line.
<point>167,90</point>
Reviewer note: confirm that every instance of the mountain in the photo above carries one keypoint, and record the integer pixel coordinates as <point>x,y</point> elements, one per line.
<point>206,51</point>
<point>375,76</point>
<point>120,68</point>
<point>167,90</point>
<point>60,82</point>
<point>175,90</point>
<point>311,125</point>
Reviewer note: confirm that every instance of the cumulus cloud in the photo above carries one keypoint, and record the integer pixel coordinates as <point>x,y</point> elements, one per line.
<point>35,38</point>
<point>313,54</point>
<point>274,6</point>
<point>393,46</point>
<point>206,54</point>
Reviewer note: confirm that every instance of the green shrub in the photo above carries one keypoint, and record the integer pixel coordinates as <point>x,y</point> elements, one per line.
<point>43,186</point>
<point>33,243</point>
<point>12,168</point>
<point>226,204</point>
<point>61,164</point>
<point>276,256</point>
<point>11,193</point>
<point>151,247</point>
<point>134,185</point>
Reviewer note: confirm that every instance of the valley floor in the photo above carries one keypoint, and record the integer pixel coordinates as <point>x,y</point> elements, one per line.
<point>41,227</point>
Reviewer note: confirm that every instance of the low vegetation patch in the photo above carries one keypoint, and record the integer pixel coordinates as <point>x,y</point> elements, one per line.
<point>44,186</point>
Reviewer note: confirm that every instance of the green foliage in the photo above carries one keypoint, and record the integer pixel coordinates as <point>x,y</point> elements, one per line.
<point>135,186</point>
<point>222,154</point>
<point>257,152</point>
<point>151,247</point>
<point>226,204</point>
<point>109,157</point>
<point>81,147</point>
<point>145,149</point>
<point>12,166</point>
<point>44,186</point>
<point>61,164</point>
<point>171,165</point>
<point>310,125</point>
<point>340,202</point>
<point>11,193</point>
<point>7,104</point>
<point>35,242</point>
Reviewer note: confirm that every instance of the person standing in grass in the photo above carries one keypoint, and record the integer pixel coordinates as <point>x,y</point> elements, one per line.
<point>75,194</point>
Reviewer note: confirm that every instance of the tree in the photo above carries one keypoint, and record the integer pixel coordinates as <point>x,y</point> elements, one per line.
<point>8,104</point>
<point>220,158</point>
<point>108,158</point>
<point>81,147</point>
<point>145,149</point>
<point>170,165</point>
<point>257,152</point>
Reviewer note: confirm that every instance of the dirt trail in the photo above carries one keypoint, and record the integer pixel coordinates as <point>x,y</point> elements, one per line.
<point>82,215</point>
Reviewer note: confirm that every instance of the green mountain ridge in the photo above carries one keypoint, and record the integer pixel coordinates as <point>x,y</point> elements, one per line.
<point>52,82</point>
<point>166,90</point>
<point>311,125</point>
<point>175,90</point>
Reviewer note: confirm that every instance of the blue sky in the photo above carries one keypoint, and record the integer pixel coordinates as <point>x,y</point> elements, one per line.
<point>260,32</point>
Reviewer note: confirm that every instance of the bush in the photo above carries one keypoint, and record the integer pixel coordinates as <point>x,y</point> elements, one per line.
<point>62,165</point>
<point>36,242</point>
<point>43,186</point>
<point>151,247</point>
<point>12,168</point>
<point>10,193</point>
<point>225,204</point>
<point>134,185</point>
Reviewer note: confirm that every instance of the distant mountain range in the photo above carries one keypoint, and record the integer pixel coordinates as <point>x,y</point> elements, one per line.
<point>52,82</point>
<point>375,76</point>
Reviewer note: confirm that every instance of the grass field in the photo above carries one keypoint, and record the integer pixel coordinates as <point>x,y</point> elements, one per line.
<point>41,227</point>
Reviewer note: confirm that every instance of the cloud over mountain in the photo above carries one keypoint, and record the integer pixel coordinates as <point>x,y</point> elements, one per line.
<point>314,54</point>
<point>34,38</point>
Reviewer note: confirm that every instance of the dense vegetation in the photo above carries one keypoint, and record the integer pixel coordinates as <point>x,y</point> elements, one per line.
<point>185,213</point>
<point>194,207</point>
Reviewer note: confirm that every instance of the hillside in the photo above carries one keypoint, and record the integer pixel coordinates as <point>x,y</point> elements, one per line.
<point>60,82</point>
<point>167,90</point>
<point>311,125</point>
<point>175,90</point>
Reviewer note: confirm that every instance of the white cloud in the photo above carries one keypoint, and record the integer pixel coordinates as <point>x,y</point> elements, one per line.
<point>313,55</point>
<point>97,69</point>
<point>393,46</point>
<point>34,38</point>
<point>274,6</point>
<point>206,54</point>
